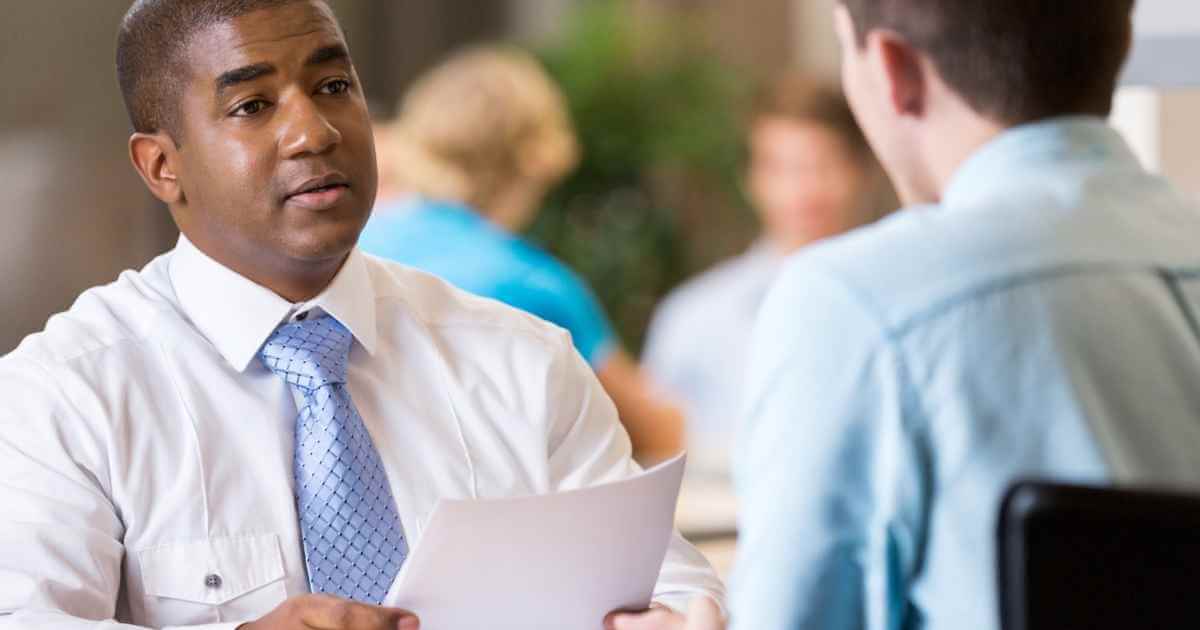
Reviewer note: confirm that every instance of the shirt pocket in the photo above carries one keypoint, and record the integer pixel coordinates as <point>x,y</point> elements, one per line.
<point>234,578</point>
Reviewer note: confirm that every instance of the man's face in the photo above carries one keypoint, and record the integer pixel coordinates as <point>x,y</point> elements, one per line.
<point>804,181</point>
<point>277,162</point>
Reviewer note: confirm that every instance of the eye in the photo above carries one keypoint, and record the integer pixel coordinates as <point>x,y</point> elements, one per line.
<point>336,86</point>
<point>250,108</point>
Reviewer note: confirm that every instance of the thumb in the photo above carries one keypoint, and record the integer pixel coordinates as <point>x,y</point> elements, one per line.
<point>704,614</point>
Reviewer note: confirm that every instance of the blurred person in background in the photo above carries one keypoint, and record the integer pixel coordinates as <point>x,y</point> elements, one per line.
<point>810,175</point>
<point>477,143</point>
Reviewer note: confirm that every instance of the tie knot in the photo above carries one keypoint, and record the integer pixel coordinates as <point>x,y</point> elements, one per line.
<point>309,354</point>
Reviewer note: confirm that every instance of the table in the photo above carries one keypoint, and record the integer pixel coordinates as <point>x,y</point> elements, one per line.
<point>707,516</point>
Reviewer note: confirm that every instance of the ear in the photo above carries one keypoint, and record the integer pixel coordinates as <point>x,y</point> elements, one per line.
<point>899,68</point>
<point>156,159</point>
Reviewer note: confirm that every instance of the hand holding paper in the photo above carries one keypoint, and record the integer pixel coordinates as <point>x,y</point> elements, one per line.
<point>554,562</point>
<point>703,614</point>
<point>332,613</point>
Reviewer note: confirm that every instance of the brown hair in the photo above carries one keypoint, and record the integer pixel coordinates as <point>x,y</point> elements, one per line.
<point>798,98</point>
<point>1014,61</point>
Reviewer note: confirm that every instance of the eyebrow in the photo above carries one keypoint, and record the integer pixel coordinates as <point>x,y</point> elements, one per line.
<point>242,75</point>
<point>325,54</point>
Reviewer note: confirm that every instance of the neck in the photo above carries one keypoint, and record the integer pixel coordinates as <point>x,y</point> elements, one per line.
<point>953,143</point>
<point>291,279</point>
<point>512,208</point>
<point>782,246</point>
<point>301,285</point>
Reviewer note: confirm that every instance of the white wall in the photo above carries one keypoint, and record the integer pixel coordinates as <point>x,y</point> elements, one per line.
<point>1158,18</point>
<point>1163,128</point>
<point>1166,45</point>
<point>1157,109</point>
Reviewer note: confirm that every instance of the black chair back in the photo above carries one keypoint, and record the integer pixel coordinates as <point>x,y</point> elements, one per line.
<point>1079,557</point>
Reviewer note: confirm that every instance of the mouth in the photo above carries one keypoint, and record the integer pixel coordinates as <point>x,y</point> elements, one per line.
<point>319,193</point>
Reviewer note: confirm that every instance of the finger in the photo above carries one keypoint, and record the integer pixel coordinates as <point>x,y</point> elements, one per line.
<point>341,614</point>
<point>408,621</point>
<point>704,614</point>
<point>658,619</point>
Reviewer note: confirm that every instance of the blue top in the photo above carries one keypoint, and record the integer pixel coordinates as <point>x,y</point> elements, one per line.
<point>1042,321</point>
<point>458,245</point>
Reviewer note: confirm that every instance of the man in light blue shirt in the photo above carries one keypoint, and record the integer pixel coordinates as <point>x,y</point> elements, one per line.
<point>1033,313</point>
<point>1038,319</point>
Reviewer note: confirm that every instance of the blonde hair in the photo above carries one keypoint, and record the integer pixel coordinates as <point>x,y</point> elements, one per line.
<point>469,127</point>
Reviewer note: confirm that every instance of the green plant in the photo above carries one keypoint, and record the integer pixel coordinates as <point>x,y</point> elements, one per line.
<point>654,114</point>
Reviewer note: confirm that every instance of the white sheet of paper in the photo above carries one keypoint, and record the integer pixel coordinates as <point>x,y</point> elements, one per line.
<point>554,562</point>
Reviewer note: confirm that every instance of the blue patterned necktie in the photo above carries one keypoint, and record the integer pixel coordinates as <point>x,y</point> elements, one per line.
<point>353,540</point>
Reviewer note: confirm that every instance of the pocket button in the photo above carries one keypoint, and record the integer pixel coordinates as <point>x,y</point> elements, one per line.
<point>212,580</point>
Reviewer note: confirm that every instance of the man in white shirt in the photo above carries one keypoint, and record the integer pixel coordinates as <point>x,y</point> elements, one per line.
<point>154,470</point>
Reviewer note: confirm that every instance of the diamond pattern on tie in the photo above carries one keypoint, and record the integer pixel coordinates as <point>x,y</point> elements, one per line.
<point>354,543</point>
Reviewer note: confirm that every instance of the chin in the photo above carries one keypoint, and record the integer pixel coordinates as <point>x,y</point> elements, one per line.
<point>324,243</point>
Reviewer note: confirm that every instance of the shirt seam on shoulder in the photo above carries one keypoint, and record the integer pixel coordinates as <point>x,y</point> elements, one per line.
<point>103,347</point>
<point>860,298</point>
<point>546,338</point>
<point>97,346</point>
<point>63,401</point>
<point>420,315</point>
<point>1011,281</point>
<point>890,339</point>
<point>914,417</point>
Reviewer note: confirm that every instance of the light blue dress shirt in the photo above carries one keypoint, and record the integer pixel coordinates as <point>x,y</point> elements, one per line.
<point>1042,321</point>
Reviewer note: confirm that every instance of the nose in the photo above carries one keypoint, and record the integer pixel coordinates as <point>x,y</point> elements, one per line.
<point>306,130</point>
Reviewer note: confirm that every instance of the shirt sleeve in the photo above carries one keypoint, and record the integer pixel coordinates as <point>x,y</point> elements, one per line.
<point>60,536</point>
<point>588,446</point>
<point>828,473</point>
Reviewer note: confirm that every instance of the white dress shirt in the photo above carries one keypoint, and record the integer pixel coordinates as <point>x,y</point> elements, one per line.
<point>146,453</point>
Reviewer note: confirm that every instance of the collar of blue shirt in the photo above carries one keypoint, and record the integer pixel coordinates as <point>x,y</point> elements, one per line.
<point>237,316</point>
<point>1033,147</point>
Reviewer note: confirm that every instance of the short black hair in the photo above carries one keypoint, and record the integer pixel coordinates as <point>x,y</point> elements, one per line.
<point>1015,61</point>
<point>150,46</point>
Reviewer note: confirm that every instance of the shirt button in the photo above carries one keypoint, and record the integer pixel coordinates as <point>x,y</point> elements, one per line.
<point>212,580</point>
<point>302,316</point>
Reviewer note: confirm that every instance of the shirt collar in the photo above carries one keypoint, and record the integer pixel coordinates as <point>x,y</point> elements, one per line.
<point>237,315</point>
<point>1041,147</point>
<point>350,299</point>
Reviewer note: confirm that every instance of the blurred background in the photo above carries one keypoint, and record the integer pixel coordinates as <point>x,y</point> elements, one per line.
<point>657,90</point>
<point>654,87</point>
